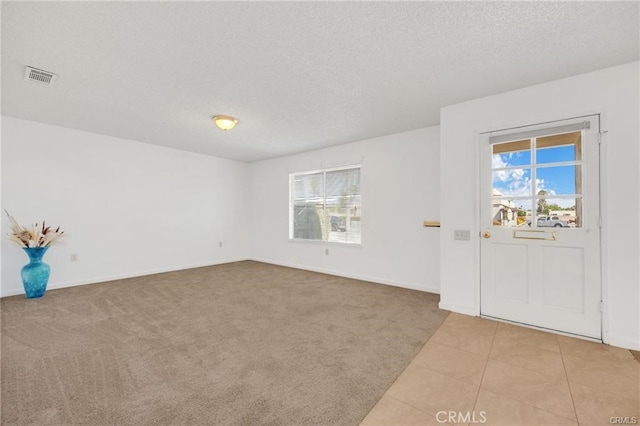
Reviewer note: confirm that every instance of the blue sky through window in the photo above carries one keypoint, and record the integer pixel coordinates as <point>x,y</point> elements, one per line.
<point>555,154</point>
<point>557,180</point>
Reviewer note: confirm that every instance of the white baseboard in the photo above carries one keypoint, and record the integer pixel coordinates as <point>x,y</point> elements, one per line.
<point>105,278</point>
<point>623,342</point>
<point>458,309</point>
<point>375,280</point>
<point>95,280</point>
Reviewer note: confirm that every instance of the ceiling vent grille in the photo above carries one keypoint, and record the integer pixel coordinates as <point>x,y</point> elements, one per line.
<point>39,76</point>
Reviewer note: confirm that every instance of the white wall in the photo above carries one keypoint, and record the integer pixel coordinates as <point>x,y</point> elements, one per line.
<point>127,208</point>
<point>613,92</point>
<point>399,186</point>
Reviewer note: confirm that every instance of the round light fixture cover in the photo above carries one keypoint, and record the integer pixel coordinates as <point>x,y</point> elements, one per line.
<point>224,122</point>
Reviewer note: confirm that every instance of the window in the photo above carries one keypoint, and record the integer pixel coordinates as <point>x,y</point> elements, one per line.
<point>537,182</point>
<point>325,205</point>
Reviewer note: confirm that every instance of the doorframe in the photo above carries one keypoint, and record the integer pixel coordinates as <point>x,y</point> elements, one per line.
<point>603,202</point>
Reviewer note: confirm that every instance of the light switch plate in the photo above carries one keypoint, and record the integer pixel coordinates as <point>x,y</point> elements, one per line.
<point>462,234</point>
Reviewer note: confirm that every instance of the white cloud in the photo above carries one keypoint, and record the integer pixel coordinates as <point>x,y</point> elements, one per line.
<point>514,182</point>
<point>497,162</point>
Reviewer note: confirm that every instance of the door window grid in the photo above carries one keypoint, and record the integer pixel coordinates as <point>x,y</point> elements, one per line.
<point>537,182</point>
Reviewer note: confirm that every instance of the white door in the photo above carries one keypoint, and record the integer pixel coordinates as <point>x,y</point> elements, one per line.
<point>540,226</point>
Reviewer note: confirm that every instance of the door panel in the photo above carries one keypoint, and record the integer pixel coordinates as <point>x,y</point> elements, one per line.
<point>540,254</point>
<point>510,272</point>
<point>563,278</point>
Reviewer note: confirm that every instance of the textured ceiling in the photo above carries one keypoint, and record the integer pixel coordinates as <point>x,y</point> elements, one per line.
<point>297,75</point>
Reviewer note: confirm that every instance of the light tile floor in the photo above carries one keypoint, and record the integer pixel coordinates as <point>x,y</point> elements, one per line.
<point>482,371</point>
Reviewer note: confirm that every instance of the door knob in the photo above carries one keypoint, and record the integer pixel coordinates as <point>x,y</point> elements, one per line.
<point>486,234</point>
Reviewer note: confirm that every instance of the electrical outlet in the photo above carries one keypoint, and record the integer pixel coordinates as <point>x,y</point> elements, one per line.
<point>462,234</point>
<point>326,251</point>
<point>74,257</point>
<point>220,244</point>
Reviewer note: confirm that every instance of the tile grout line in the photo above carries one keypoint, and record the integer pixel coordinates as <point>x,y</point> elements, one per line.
<point>426,367</point>
<point>537,371</point>
<point>530,405</point>
<point>475,403</point>
<point>408,405</point>
<point>575,412</point>
<point>534,371</point>
<point>451,346</point>
<point>447,346</point>
<point>626,366</point>
<point>530,369</point>
<point>439,373</point>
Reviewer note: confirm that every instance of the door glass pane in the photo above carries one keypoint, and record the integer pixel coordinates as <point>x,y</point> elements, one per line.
<point>512,182</point>
<point>557,148</point>
<point>560,180</point>
<point>559,213</point>
<point>556,154</point>
<point>510,154</point>
<point>511,213</point>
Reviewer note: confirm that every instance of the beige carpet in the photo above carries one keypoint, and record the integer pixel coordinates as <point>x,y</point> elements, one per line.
<point>242,343</point>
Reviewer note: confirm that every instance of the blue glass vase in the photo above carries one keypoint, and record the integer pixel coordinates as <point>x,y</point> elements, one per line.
<point>35,275</point>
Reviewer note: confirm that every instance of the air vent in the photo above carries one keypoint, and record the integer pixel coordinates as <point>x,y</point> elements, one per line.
<point>39,76</point>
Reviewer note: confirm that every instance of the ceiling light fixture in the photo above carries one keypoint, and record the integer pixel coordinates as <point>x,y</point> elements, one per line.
<point>224,122</point>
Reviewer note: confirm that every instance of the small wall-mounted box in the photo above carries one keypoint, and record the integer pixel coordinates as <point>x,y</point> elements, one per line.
<point>462,234</point>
